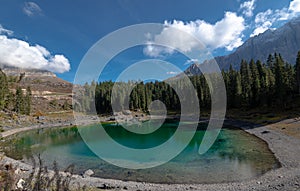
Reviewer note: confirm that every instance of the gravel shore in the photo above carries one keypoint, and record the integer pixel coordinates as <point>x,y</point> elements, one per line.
<point>285,147</point>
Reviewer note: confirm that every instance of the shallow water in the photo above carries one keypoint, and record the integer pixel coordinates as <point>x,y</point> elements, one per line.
<point>235,156</point>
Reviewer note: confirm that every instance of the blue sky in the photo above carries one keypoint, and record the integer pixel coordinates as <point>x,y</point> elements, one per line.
<point>55,35</point>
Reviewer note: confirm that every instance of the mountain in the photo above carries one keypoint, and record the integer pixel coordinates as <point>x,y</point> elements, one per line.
<point>284,40</point>
<point>49,93</point>
<point>14,71</point>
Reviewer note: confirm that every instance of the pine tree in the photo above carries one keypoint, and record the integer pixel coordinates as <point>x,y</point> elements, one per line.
<point>262,73</point>
<point>270,84</point>
<point>237,90</point>
<point>246,82</point>
<point>270,62</point>
<point>231,86</point>
<point>297,68</point>
<point>27,101</point>
<point>290,81</point>
<point>255,83</point>
<point>4,91</point>
<point>19,102</point>
<point>10,101</point>
<point>280,88</point>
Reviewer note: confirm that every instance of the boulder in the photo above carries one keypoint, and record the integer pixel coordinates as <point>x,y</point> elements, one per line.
<point>20,183</point>
<point>88,173</point>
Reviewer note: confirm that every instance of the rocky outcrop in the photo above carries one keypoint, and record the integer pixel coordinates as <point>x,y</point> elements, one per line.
<point>13,71</point>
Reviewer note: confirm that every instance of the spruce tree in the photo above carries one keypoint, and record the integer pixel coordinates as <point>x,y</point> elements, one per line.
<point>246,82</point>
<point>270,62</point>
<point>297,68</point>
<point>4,91</point>
<point>27,101</point>
<point>19,102</point>
<point>280,88</point>
<point>231,87</point>
<point>255,83</point>
<point>262,73</point>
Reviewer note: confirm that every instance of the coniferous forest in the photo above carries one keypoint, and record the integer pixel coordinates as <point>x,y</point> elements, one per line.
<point>273,83</point>
<point>17,101</point>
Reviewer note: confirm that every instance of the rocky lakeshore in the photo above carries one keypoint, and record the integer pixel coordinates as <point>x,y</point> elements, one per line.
<point>282,141</point>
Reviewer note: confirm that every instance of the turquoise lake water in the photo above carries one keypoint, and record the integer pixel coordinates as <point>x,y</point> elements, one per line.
<point>235,156</point>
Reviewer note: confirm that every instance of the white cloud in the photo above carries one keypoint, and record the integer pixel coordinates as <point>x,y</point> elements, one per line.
<point>263,16</point>
<point>172,73</point>
<point>248,8</point>
<point>5,31</point>
<point>191,61</point>
<point>265,20</point>
<point>31,9</point>
<point>153,50</point>
<point>226,33</point>
<point>295,6</point>
<point>260,29</point>
<point>18,53</point>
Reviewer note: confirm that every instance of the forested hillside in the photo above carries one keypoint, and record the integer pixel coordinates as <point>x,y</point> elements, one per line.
<point>17,100</point>
<point>273,83</point>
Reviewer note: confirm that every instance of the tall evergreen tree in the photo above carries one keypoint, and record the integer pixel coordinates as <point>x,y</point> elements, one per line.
<point>262,73</point>
<point>27,101</point>
<point>279,70</point>
<point>246,82</point>
<point>255,83</point>
<point>297,66</point>
<point>4,91</point>
<point>270,62</point>
<point>231,87</point>
<point>19,102</point>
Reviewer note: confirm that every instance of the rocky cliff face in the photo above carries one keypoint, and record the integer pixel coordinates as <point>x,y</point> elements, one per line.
<point>12,71</point>
<point>284,40</point>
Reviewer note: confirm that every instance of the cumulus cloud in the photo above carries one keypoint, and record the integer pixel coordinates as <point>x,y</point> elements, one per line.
<point>248,7</point>
<point>265,20</point>
<point>226,33</point>
<point>295,6</point>
<point>18,53</point>
<point>5,31</point>
<point>31,9</point>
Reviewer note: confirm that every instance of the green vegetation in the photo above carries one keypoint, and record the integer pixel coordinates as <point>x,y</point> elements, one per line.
<point>274,84</point>
<point>17,101</point>
<point>4,91</point>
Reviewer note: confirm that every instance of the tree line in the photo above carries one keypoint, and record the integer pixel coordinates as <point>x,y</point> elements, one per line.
<point>274,83</point>
<point>17,101</point>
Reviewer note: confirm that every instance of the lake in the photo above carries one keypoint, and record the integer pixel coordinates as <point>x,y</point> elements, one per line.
<point>235,156</point>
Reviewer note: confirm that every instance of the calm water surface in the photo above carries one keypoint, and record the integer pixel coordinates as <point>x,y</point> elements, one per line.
<point>235,156</point>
